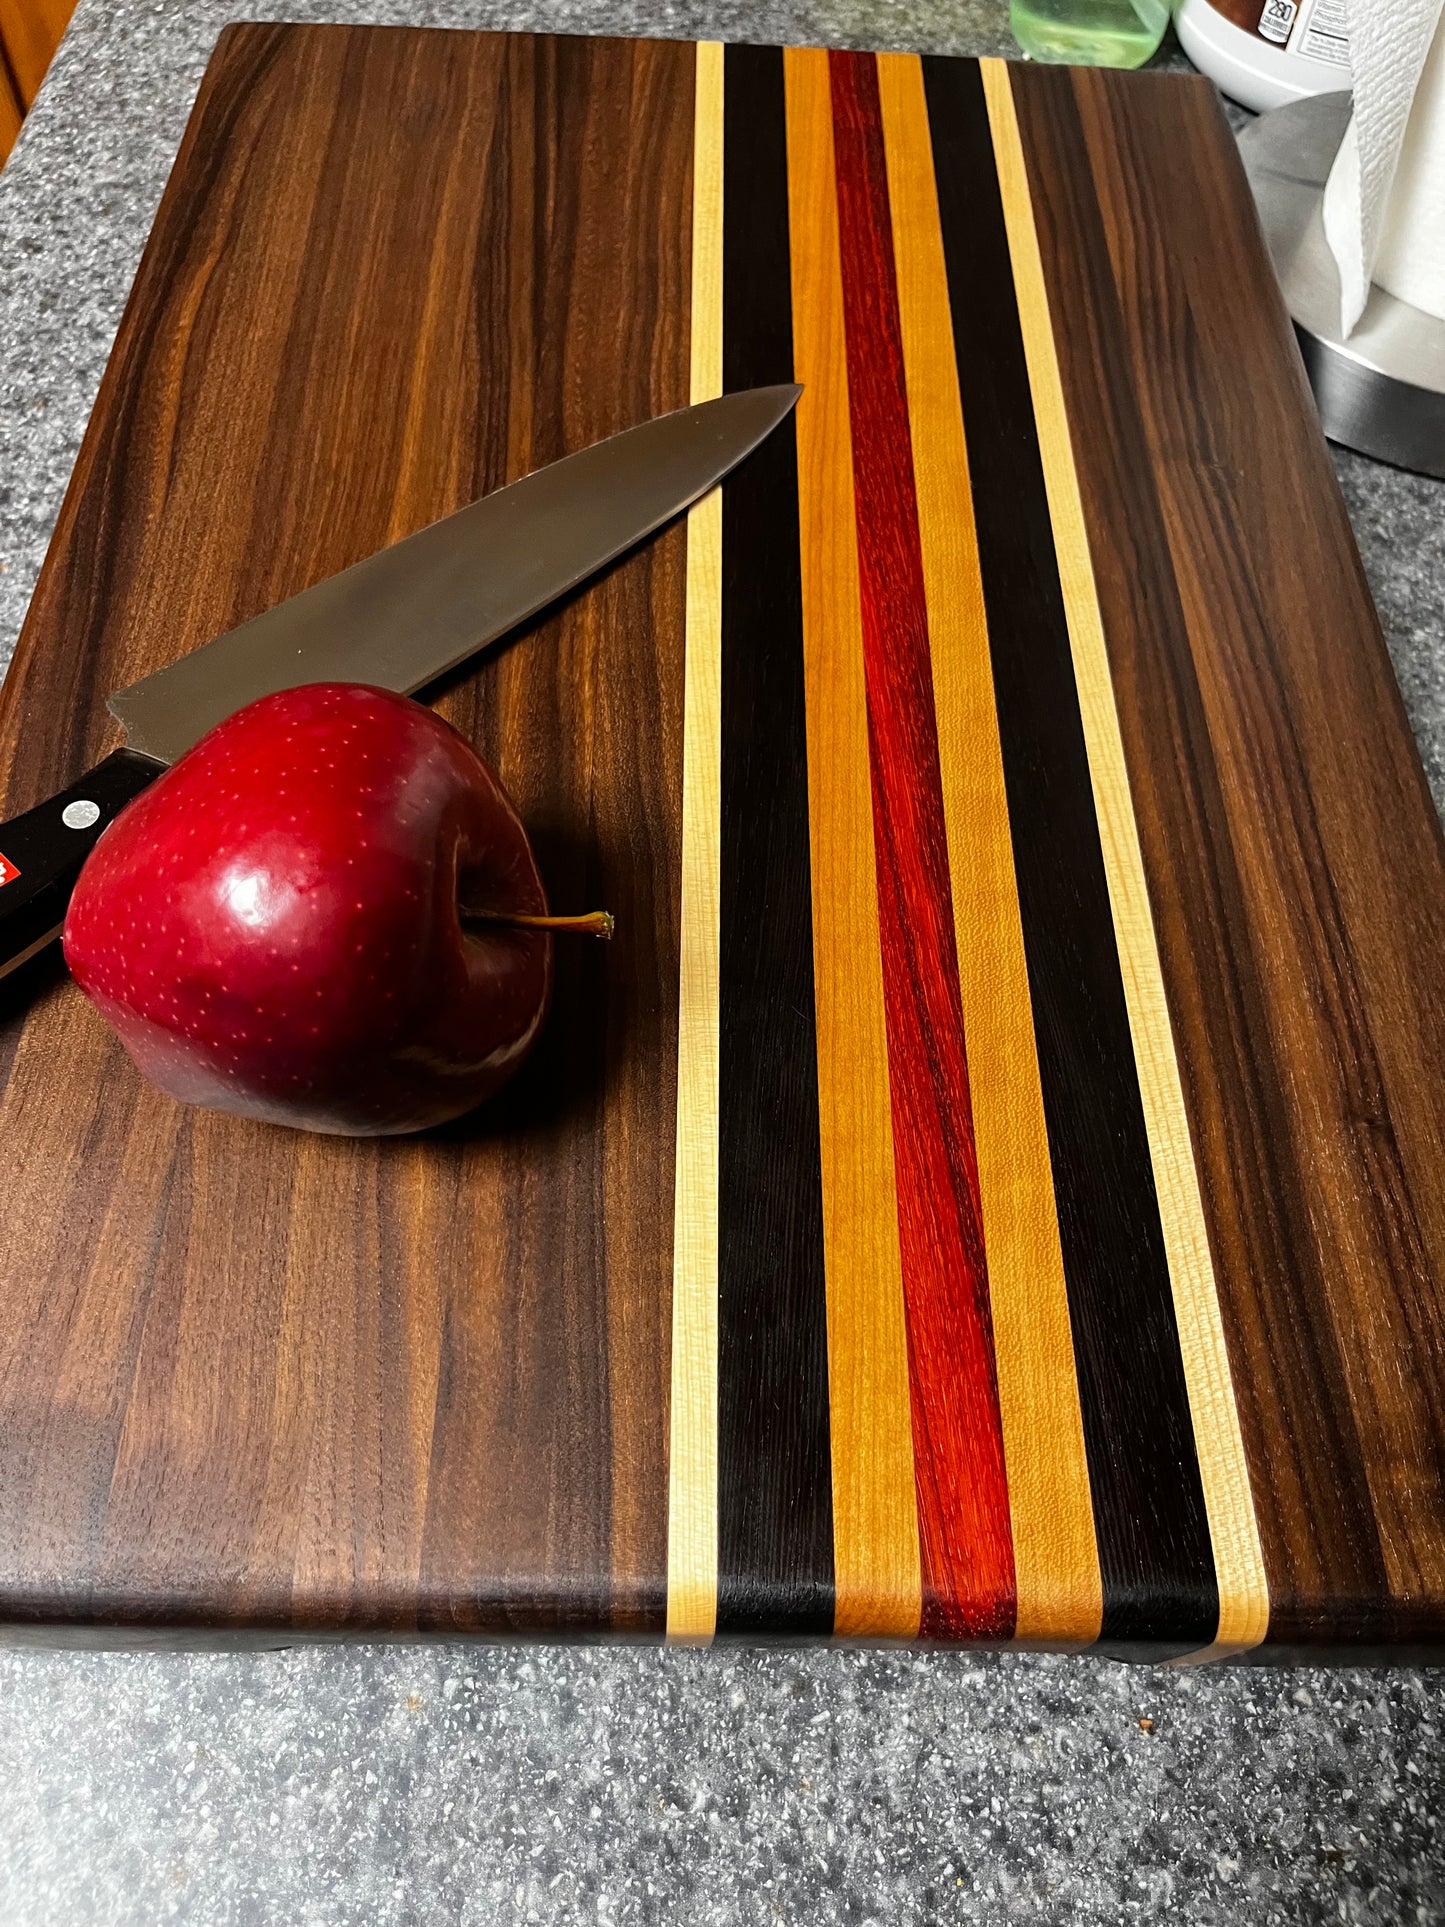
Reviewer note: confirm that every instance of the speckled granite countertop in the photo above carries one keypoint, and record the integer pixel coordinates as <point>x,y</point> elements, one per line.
<point>380,1787</point>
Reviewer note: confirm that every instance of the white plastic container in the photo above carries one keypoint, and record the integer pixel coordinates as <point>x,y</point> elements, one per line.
<point>1264,53</point>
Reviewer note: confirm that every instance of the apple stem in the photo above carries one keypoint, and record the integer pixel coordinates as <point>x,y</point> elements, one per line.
<point>594,923</point>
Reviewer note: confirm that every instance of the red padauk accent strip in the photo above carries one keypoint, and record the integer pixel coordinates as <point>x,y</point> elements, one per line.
<point>965,1540</point>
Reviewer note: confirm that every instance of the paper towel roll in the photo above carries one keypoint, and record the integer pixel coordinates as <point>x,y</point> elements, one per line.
<point>1389,46</point>
<point>1411,259</point>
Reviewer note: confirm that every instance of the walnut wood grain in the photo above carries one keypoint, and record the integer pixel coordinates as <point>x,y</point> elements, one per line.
<point>245,1374</point>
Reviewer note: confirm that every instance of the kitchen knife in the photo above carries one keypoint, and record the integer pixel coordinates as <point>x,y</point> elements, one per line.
<point>401,618</point>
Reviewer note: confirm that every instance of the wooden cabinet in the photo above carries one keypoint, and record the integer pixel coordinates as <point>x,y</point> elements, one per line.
<point>11,112</point>
<point>30,31</point>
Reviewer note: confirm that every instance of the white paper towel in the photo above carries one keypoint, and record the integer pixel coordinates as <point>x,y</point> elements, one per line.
<point>1390,44</point>
<point>1411,260</point>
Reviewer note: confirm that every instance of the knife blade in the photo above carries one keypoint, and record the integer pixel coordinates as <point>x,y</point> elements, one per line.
<point>400,618</point>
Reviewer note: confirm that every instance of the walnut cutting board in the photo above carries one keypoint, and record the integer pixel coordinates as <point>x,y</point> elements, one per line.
<point>993,1188</point>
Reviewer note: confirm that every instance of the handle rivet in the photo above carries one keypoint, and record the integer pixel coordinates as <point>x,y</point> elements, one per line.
<point>80,816</point>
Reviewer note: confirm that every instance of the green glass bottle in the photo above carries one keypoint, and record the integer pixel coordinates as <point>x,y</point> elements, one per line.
<point>1089,33</point>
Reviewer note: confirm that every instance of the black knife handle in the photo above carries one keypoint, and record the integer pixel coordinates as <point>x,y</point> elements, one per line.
<point>41,852</point>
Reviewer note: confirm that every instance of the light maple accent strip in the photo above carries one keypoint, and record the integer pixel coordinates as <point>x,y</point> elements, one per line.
<point>875,1519</point>
<point>1060,1597</point>
<point>1233,1529</point>
<point>692,1516</point>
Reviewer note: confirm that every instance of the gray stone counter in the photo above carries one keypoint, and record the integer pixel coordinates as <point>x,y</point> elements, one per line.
<point>451,1784</point>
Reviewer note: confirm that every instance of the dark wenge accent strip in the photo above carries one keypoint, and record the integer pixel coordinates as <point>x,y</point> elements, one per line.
<point>775,1510</point>
<point>1154,1550</point>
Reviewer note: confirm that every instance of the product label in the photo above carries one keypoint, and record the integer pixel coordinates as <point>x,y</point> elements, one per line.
<point>1321,34</point>
<point>1276,20</point>
<point>1314,28</point>
<point>8,871</point>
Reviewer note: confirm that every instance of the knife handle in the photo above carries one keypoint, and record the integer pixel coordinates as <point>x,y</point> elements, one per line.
<point>41,852</point>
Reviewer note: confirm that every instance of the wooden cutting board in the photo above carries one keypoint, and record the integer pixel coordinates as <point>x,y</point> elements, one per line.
<point>994,1186</point>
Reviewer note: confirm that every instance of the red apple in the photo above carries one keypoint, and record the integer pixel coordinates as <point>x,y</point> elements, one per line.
<point>276,927</point>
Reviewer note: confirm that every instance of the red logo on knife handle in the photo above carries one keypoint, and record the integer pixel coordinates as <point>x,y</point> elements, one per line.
<point>8,871</point>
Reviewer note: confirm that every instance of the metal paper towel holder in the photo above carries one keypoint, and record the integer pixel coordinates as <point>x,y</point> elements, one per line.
<point>1383,390</point>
